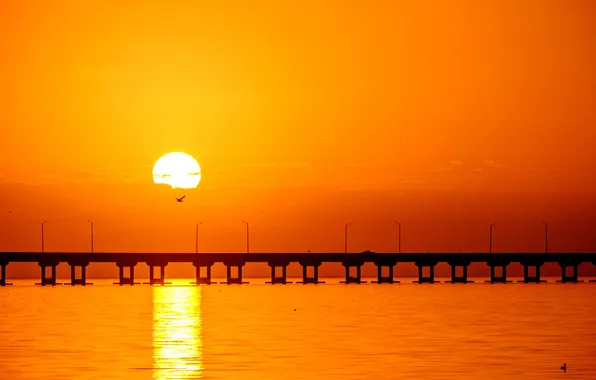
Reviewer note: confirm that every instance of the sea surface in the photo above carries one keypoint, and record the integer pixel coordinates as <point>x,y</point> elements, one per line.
<point>326,331</point>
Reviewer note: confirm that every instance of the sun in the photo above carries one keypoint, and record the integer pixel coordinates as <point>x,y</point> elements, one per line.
<point>177,169</point>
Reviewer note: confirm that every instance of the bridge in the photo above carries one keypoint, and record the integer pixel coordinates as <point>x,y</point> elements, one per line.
<point>310,262</point>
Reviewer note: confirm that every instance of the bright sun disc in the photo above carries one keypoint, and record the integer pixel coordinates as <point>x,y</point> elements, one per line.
<point>177,169</point>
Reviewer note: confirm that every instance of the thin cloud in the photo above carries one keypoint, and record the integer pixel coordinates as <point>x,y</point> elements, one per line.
<point>441,169</point>
<point>493,164</point>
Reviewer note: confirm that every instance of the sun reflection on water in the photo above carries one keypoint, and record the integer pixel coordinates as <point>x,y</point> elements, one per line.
<point>177,333</point>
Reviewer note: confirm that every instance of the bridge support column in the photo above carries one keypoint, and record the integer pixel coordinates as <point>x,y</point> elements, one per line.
<point>573,276</point>
<point>3,265</point>
<point>230,277</point>
<point>315,277</point>
<point>278,279</point>
<point>357,277</point>
<point>430,279</point>
<point>463,278</point>
<point>78,281</point>
<point>496,277</point>
<point>162,274</point>
<point>388,279</point>
<point>532,278</point>
<point>205,280</point>
<point>130,280</point>
<point>48,279</point>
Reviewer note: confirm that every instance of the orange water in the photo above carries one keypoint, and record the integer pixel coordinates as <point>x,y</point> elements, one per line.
<point>408,331</point>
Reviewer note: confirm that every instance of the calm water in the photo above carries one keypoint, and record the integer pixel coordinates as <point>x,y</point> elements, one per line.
<point>407,331</point>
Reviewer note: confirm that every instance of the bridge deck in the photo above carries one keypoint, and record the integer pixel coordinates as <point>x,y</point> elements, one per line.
<point>106,257</point>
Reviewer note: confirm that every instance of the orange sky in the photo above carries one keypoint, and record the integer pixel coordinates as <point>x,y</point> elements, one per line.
<point>304,115</point>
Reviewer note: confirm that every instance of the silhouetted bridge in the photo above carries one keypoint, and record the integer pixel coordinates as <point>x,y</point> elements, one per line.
<point>310,262</point>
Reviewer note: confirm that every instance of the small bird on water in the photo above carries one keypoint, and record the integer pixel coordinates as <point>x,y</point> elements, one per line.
<point>564,367</point>
<point>180,199</point>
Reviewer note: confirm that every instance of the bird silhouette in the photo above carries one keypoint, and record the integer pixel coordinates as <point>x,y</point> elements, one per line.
<point>564,367</point>
<point>180,199</point>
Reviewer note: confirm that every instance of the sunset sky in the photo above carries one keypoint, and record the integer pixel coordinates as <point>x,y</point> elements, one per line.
<point>304,116</point>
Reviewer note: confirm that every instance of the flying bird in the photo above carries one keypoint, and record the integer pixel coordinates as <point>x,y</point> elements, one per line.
<point>180,199</point>
<point>564,367</point>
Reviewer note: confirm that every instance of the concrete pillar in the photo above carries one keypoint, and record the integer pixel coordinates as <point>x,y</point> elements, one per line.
<point>278,279</point>
<point>430,279</point>
<point>206,280</point>
<point>464,277</point>
<point>45,279</point>
<point>495,278</point>
<point>3,274</point>
<point>385,279</point>
<point>230,278</point>
<point>315,278</point>
<point>357,279</point>
<point>527,277</point>
<point>573,277</point>
<point>78,281</point>
<point>123,280</point>
<point>161,280</point>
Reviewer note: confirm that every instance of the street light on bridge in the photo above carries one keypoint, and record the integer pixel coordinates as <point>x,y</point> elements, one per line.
<point>197,237</point>
<point>42,247</point>
<point>91,234</point>
<point>490,239</point>
<point>247,241</point>
<point>398,236</point>
<point>346,238</point>
<point>545,236</point>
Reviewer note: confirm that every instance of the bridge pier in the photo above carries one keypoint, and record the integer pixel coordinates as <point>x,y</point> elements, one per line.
<point>130,280</point>
<point>463,278</point>
<point>73,279</point>
<point>495,277</point>
<point>388,279</point>
<point>357,277</point>
<point>528,278</point>
<point>278,279</point>
<point>573,277</point>
<point>430,279</point>
<point>315,277</point>
<point>205,280</point>
<point>229,276</point>
<point>162,273</point>
<point>48,279</point>
<point>3,265</point>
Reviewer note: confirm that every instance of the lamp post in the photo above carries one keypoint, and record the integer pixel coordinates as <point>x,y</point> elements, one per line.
<point>490,239</point>
<point>247,237</point>
<point>346,238</point>
<point>42,247</point>
<point>545,236</point>
<point>197,237</point>
<point>398,237</point>
<point>91,234</point>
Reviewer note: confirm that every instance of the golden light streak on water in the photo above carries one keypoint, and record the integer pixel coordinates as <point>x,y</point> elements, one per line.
<point>177,333</point>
